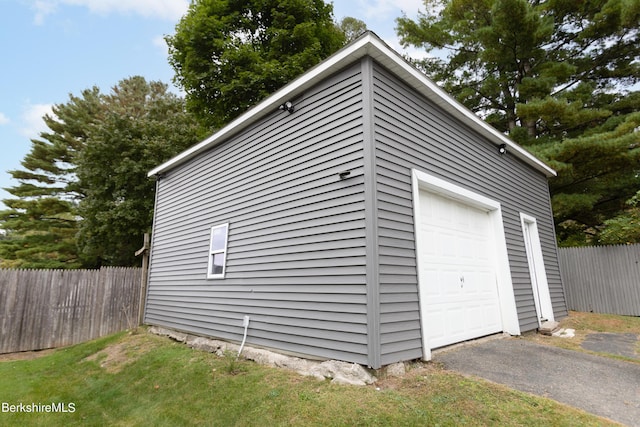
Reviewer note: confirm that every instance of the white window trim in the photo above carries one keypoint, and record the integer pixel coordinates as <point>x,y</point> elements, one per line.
<point>218,251</point>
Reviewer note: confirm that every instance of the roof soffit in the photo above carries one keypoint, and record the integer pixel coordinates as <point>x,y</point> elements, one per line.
<point>371,45</point>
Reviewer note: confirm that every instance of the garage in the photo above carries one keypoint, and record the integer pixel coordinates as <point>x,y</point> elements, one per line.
<point>328,251</point>
<point>459,264</point>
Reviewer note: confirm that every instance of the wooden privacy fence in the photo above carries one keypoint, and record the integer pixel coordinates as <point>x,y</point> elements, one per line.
<point>51,308</point>
<point>602,279</point>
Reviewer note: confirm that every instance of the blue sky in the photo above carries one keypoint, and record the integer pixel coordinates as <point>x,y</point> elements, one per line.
<point>53,48</point>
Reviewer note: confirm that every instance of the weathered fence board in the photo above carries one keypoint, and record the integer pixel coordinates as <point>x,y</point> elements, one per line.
<point>602,279</point>
<point>52,308</point>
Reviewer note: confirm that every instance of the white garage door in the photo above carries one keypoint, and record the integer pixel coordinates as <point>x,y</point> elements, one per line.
<point>459,297</point>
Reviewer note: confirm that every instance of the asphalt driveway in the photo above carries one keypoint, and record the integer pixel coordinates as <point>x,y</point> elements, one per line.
<point>599,385</point>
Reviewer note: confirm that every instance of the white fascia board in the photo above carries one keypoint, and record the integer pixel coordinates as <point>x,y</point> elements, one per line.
<point>348,54</point>
<point>367,44</point>
<point>416,79</point>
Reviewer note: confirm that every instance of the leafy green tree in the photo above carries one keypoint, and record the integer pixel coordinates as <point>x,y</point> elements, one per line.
<point>625,227</point>
<point>41,222</point>
<point>84,199</point>
<point>352,28</point>
<point>555,76</point>
<point>504,54</point>
<point>228,55</point>
<point>142,126</point>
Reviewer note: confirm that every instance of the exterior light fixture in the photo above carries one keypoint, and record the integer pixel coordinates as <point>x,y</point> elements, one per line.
<point>502,149</point>
<point>287,106</point>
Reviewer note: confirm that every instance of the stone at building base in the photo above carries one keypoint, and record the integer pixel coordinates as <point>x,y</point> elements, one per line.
<point>396,369</point>
<point>338,372</point>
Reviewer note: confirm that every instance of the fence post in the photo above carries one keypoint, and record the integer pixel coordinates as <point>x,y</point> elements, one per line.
<point>144,251</point>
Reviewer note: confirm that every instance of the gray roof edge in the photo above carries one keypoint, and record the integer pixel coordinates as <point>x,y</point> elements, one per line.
<point>367,44</point>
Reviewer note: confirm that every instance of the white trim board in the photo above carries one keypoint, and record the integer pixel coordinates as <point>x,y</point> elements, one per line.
<point>508,310</point>
<point>537,270</point>
<point>367,44</point>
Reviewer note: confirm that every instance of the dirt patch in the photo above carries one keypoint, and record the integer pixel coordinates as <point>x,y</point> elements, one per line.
<point>586,324</point>
<point>416,376</point>
<point>116,356</point>
<point>25,355</point>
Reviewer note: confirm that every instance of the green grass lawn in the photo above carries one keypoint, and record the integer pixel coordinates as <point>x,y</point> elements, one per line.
<point>141,379</point>
<point>588,323</point>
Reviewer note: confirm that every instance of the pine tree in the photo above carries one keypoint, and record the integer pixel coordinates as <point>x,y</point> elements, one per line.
<point>41,222</point>
<point>84,199</point>
<point>555,76</point>
<point>142,126</point>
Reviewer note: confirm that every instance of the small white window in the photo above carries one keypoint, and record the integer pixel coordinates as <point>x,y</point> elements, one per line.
<point>218,251</point>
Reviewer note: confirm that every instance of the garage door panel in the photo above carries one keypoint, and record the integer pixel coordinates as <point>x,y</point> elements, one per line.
<point>452,281</point>
<point>447,321</point>
<point>455,321</point>
<point>468,250</point>
<point>449,283</point>
<point>480,283</point>
<point>451,324</point>
<point>455,248</point>
<point>460,298</point>
<point>437,319</point>
<point>431,276</point>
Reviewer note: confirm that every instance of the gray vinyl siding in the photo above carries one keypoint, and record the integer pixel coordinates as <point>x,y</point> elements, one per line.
<point>326,267</point>
<point>412,132</point>
<point>296,255</point>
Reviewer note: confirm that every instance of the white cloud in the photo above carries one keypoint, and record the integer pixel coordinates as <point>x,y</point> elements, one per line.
<point>162,9</point>
<point>42,8</point>
<point>410,7</point>
<point>413,52</point>
<point>4,119</point>
<point>383,9</point>
<point>160,43</point>
<point>31,119</point>
<point>385,12</point>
